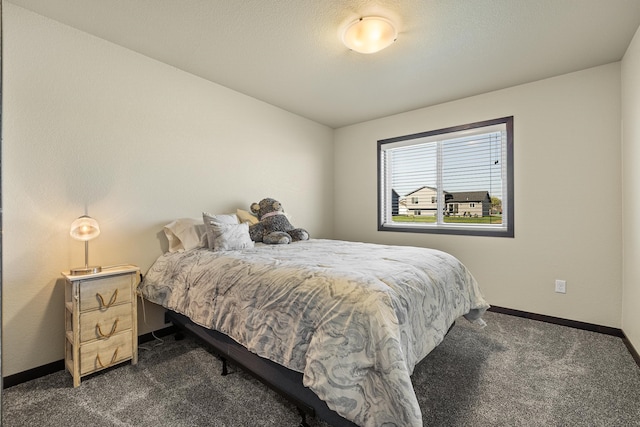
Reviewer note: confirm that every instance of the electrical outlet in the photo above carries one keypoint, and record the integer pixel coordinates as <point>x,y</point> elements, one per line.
<point>561,286</point>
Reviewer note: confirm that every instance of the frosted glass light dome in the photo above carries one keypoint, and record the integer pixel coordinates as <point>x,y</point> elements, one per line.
<point>84,228</point>
<point>369,34</point>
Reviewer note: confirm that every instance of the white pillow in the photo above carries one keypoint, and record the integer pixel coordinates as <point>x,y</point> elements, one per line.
<point>246,216</point>
<point>211,219</point>
<point>230,237</point>
<point>184,234</point>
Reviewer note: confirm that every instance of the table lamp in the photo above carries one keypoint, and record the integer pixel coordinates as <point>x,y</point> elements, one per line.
<point>85,228</point>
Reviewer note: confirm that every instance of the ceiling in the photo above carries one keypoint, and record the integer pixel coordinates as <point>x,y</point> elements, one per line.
<point>288,53</point>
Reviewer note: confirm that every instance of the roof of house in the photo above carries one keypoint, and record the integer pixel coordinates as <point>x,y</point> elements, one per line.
<point>468,196</point>
<point>421,188</point>
<point>457,197</point>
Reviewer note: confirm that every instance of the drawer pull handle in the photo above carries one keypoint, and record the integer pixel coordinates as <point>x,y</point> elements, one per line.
<point>113,359</point>
<point>112,301</point>
<point>113,330</point>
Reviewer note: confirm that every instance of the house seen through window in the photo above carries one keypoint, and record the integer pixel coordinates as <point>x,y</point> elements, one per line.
<point>457,180</point>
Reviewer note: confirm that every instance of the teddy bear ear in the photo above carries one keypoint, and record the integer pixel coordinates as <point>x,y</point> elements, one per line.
<point>255,208</point>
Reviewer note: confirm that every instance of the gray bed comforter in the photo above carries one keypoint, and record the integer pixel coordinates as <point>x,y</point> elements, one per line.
<point>354,318</point>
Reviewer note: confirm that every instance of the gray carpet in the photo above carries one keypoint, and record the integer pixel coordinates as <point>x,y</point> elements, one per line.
<point>514,372</point>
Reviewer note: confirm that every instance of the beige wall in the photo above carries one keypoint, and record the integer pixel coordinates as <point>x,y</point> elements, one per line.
<point>567,155</point>
<point>90,125</point>
<point>631,191</point>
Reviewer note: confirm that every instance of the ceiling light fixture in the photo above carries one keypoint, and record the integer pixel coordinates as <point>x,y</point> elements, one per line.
<point>369,34</point>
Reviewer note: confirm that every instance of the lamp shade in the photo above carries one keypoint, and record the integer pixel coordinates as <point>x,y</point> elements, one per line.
<point>84,228</point>
<point>369,34</point>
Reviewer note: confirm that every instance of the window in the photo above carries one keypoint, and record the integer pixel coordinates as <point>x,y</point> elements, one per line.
<point>466,171</point>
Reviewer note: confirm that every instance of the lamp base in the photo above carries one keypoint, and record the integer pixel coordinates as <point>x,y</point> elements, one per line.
<point>85,270</point>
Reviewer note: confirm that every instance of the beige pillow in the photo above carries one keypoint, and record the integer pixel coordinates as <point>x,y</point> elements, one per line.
<point>246,216</point>
<point>184,234</point>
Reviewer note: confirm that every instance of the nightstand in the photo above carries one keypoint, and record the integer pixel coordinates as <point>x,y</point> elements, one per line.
<point>101,322</point>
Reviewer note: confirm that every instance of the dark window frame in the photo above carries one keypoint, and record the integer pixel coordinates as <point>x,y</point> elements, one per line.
<point>470,230</point>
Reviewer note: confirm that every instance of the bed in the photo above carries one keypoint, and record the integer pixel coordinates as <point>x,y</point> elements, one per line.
<point>337,326</point>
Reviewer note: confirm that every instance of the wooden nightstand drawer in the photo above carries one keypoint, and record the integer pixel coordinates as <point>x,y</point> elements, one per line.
<point>105,292</point>
<point>104,353</point>
<point>104,324</point>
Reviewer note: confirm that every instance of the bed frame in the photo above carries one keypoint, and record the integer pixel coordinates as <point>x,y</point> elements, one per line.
<point>286,382</point>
